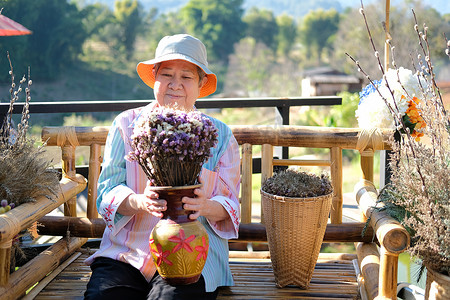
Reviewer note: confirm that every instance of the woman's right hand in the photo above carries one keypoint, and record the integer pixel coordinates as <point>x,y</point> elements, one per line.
<point>143,203</point>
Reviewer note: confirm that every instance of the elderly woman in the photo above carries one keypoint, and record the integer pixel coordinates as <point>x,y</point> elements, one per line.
<point>123,268</point>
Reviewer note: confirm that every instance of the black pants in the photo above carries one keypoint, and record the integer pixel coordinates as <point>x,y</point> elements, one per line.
<point>113,279</point>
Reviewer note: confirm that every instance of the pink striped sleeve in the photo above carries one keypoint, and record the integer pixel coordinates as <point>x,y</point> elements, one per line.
<point>223,186</point>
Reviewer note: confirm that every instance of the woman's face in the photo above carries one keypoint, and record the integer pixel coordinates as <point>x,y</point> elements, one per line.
<point>177,82</point>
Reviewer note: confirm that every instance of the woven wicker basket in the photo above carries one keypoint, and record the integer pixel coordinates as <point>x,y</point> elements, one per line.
<point>295,229</point>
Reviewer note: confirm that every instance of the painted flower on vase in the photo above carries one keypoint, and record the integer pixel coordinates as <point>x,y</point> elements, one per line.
<point>182,241</point>
<point>161,255</point>
<point>202,250</point>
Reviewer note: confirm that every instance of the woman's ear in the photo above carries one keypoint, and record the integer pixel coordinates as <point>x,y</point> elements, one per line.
<point>154,72</point>
<point>203,82</point>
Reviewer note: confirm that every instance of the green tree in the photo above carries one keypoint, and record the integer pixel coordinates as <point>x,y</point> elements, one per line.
<point>96,17</point>
<point>57,39</point>
<point>287,33</point>
<point>262,26</point>
<point>129,19</point>
<point>249,69</point>
<point>254,71</point>
<point>317,30</point>
<point>446,17</point>
<point>217,23</point>
<point>165,24</point>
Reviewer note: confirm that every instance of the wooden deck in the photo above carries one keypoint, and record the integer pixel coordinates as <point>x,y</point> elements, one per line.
<point>335,277</point>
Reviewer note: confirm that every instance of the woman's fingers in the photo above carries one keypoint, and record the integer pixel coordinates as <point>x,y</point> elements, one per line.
<point>155,206</point>
<point>198,204</point>
<point>149,193</point>
<point>152,203</point>
<point>194,215</point>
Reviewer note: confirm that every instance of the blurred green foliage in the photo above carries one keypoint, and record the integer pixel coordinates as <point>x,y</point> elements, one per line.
<point>317,29</point>
<point>335,116</point>
<point>56,41</point>
<point>217,23</point>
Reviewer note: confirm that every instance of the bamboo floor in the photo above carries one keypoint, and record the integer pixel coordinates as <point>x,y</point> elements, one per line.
<point>334,277</point>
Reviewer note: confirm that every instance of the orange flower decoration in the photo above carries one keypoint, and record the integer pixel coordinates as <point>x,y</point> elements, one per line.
<point>415,118</point>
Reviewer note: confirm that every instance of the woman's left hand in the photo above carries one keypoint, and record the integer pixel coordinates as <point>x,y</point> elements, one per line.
<point>202,206</point>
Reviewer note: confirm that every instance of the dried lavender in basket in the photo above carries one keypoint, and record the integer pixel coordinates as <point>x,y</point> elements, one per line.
<point>294,183</point>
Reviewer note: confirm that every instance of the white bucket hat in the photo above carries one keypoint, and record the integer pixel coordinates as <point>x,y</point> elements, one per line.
<point>184,47</point>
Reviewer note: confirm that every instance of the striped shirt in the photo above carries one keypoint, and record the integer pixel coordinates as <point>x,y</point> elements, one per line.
<point>126,238</point>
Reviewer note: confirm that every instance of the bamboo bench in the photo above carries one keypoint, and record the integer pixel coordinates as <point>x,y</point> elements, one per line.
<point>373,270</point>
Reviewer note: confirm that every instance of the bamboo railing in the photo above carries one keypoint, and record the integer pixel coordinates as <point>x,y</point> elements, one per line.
<point>387,234</point>
<point>382,263</point>
<point>22,217</point>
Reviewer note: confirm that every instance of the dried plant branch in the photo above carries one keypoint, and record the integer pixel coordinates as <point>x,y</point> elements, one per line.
<point>25,172</point>
<point>418,194</point>
<point>394,110</point>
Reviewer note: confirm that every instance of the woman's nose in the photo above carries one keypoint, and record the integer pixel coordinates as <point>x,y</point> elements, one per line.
<point>174,83</point>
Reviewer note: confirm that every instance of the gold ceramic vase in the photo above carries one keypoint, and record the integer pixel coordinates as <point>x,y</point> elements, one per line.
<point>179,245</point>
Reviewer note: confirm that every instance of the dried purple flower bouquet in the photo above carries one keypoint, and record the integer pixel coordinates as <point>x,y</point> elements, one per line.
<point>171,145</point>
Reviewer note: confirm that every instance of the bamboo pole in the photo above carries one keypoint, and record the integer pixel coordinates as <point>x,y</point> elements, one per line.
<point>68,169</point>
<point>391,235</point>
<point>360,280</point>
<point>267,162</point>
<point>249,232</point>
<point>285,135</point>
<point>44,282</point>
<point>302,136</point>
<point>393,238</point>
<point>95,161</point>
<point>266,167</point>
<point>367,167</point>
<point>36,269</point>
<point>302,162</point>
<point>24,215</point>
<point>79,227</point>
<point>337,182</point>
<point>334,233</point>
<point>246,177</point>
<point>85,135</point>
<point>369,262</point>
<point>252,254</point>
<point>5,261</point>
<point>388,274</point>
